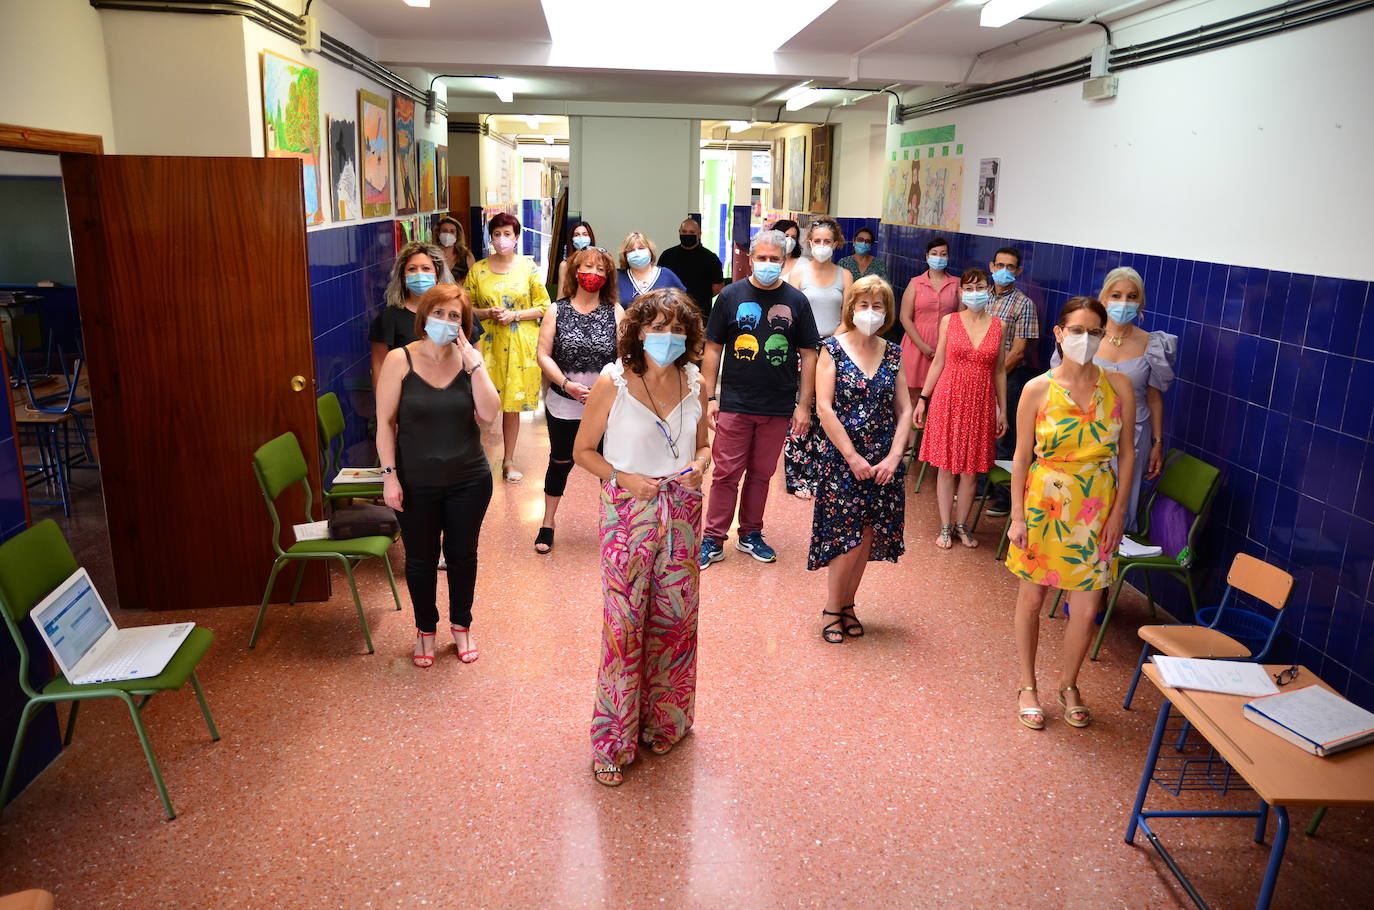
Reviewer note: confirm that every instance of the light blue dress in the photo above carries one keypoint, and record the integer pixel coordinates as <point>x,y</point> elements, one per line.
<point>1152,370</point>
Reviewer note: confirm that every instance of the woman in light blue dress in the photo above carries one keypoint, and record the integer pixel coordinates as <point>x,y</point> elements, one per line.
<point>1148,358</point>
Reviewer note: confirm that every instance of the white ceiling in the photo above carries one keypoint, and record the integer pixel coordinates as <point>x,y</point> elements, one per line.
<point>509,20</point>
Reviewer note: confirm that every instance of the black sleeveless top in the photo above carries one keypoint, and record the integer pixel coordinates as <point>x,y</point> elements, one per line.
<point>584,342</point>
<point>438,441</point>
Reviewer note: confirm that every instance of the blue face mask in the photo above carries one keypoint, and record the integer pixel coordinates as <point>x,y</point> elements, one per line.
<point>441,331</point>
<point>419,282</point>
<point>1003,277</point>
<point>1123,313</point>
<point>976,300</point>
<point>937,263</point>
<point>638,259</point>
<point>665,347</point>
<point>767,272</point>
<point>862,247</point>
<point>581,242</point>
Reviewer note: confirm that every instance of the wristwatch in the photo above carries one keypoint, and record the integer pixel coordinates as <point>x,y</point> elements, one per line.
<point>390,470</point>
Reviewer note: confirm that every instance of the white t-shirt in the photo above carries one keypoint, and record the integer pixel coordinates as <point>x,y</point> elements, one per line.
<point>636,441</point>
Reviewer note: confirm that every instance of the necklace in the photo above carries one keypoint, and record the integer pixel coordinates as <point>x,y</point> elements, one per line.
<point>642,287</point>
<point>1116,340</point>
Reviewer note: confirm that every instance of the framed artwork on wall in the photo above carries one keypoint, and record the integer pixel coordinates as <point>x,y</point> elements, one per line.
<point>427,189</point>
<point>796,174</point>
<point>407,159</point>
<point>374,114</point>
<point>777,189</point>
<point>901,192</point>
<point>441,176</point>
<point>291,122</point>
<point>942,193</point>
<point>822,139</point>
<point>343,168</point>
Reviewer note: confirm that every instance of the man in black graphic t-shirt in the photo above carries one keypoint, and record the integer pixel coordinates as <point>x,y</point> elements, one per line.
<point>761,343</point>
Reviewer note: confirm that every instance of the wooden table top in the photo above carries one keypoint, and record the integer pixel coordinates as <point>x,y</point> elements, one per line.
<point>1280,772</point>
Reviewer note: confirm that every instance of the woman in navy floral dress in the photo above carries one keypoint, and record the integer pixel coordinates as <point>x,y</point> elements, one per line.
<point>865,410</point>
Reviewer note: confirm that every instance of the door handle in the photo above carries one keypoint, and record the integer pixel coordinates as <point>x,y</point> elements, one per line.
<point>297,383</point>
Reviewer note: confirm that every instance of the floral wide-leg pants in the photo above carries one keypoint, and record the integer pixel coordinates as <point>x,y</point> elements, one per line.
<point>646,689</point>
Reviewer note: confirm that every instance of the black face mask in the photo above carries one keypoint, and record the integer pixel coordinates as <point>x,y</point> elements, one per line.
<point>687,240</point>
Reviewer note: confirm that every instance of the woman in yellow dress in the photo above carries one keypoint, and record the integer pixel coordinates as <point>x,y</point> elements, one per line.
<point>1067,519</point>
<point>509,297</point>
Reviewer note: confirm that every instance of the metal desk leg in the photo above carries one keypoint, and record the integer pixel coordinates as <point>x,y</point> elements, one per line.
<point>1261,821</point>
<point>1148,773</point>
<point>1271,872</point>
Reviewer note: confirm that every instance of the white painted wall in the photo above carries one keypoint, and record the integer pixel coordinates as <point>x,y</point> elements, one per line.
<point>52,64</point>
<point>633,174</point>
<point>1255,155</point>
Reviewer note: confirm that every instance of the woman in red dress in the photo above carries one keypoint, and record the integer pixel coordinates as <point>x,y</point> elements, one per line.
<point>966,393</point>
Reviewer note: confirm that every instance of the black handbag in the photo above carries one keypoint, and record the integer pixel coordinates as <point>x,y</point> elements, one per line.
<point>363,519</point>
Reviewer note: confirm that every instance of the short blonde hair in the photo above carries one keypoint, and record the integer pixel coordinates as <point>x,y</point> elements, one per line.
<point>1123,273</point>
<point>631,240</point>
<point>863,289</point>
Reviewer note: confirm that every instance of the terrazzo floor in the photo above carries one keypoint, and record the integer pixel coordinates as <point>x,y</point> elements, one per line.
<point>884,772</point>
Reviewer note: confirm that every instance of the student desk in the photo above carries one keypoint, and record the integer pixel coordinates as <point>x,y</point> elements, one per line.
<point>1280,773</point>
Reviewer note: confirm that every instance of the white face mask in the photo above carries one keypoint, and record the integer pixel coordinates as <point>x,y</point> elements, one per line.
<point>1080,348</point>
<point>869,321</point>
<point>822,252</point>
<point>448,238</point>
<point>791,244</point>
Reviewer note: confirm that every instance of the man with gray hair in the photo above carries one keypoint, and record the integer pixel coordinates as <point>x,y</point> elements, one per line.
<point>760,375</point>
<point>695,266</point>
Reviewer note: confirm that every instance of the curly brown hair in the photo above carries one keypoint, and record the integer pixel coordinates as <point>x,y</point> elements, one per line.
<point>441,294</point>
<point>610,291</point>
<point>670,304</point>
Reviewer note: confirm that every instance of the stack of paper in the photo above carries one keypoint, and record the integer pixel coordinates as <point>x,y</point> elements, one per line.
<point>359,475</point>
<point>1230,677</point>
<point>311,530</point>
<point>1314,719</point>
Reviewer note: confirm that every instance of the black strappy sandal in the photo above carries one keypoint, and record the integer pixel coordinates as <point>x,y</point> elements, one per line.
<point>544,539</point>
<point>853,624</point>
<point>829,631</point>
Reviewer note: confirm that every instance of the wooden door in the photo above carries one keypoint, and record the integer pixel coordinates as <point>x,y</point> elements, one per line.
<point>195,308</point>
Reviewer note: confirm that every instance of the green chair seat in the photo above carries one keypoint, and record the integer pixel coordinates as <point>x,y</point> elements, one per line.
<point>355,491</point>
<point>357,546</point>
<point>330,415</point>
<point>172,678</point>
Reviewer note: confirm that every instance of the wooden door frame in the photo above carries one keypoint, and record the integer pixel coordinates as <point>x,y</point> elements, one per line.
<point>36,139</point>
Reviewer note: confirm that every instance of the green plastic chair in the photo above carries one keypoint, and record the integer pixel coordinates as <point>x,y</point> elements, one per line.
<point>279,464</point>
<point>32,564</point>
<point>331,419</point>
<point>997,477</point>
<point>1191,483</point>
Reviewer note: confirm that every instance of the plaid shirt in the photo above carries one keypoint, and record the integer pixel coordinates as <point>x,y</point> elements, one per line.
<point>1017,312</point>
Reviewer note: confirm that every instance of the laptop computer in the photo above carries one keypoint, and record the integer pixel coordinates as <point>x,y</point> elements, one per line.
<point>89,648</point>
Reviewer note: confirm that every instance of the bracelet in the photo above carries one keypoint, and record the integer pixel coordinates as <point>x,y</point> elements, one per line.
<point>925,398</point>
<point>710,398</point>
<point>564,386</point>
<point>1157,442</point>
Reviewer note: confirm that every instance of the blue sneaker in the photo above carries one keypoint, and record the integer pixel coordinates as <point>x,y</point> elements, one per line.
<point>711,551</point>
<point>754,544</point>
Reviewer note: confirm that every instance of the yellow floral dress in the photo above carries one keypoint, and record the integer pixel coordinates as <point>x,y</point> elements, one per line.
<point>1070,488</point>
<point>510,349</point>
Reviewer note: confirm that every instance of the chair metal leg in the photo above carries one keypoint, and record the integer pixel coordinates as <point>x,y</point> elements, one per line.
<point>1058,596</point>
<point>1135,680</point>
<point>358,605</point>
<point>296,586</point>
<point>148,753</point>
<point>1192,595</point>
<point>20,732</point>
<point>1150,596</point>
<point>1107,617</point>
<point>71,724</point>
<point>921,475</point>
<point>204,708</point>
<point>979,504</point>
<point>1316,820</point>
<point>262,610</point>
<point>391,577</point>
<point>1004,545</point>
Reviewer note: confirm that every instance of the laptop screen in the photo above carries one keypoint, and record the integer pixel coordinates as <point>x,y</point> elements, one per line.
<point>74,621</point>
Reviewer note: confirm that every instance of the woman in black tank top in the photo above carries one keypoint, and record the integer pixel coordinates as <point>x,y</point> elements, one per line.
<point>431,394</point>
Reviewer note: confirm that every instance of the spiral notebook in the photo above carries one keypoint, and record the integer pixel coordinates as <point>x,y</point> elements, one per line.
<point>1314,719</point>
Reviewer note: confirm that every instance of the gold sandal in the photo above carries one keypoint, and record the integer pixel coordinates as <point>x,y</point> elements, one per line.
<point>1069,712</point>
<point>1025,714</point>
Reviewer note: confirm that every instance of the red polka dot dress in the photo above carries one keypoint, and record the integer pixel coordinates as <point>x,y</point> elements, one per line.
<point>961,423</point>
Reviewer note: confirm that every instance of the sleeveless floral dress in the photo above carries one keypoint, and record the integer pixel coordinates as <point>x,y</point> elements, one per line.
<point>1070,488</point>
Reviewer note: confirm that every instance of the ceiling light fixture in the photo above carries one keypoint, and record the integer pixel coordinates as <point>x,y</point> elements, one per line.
<point>548,140</point>
<point>501,88</point>
<point>532,121</point>
<point>419,4</point>
<point>795,90</point>
<point>997,13</point>
<point>738,126</point>
<point>805,98</point>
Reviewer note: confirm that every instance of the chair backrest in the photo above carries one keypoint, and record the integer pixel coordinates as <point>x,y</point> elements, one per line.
<point>331,418</point>
<point>32,564</point>
<point>1188,481</point>
<point>279,464</point>
<point>1260,580</point>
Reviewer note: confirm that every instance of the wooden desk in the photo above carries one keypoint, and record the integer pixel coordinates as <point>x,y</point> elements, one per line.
<point>1278,771</point>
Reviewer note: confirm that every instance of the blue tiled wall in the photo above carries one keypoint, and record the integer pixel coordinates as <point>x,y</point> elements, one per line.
<point>349,267</point>
<point>1276,388</point>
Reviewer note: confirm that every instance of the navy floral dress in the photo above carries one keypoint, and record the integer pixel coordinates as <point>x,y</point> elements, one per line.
<point>867,409</point>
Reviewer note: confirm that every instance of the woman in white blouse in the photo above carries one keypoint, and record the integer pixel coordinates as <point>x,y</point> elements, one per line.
<point>648,406</point>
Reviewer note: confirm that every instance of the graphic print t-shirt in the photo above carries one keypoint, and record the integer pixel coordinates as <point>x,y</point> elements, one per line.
<point>761,332</point>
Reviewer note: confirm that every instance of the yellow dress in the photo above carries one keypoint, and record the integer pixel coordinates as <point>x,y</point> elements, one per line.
<point>1070,488</point>
<point>510,349</point>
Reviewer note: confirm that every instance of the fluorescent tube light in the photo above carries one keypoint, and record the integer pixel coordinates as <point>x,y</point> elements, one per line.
<point>422,4</point>
<point>502,88</point>
<point>738,126</point>
<point>532,121</point>
<point>997,13</point>
<point>804,98</point>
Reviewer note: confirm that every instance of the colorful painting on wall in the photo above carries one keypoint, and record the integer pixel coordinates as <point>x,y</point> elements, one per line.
<point>441,176</point>
<point>777,194</point>
<point>291,122</point>
<point>901,192</point>
<point>942,191</point>
<point>821,138</point>
<point>427,192</point>
<point>407,166</point>
<point>374,113</point>
<point>343,168</point>
<point>796,174</point>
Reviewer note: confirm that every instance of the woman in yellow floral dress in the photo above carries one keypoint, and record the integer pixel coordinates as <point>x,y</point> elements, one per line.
<point>1066,517</point>
<point>509,297</point>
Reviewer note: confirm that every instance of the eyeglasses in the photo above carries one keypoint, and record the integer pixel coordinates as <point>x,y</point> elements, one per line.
<point>1079,330</point>
<point>667,437</point>
<point>1284,677</point>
